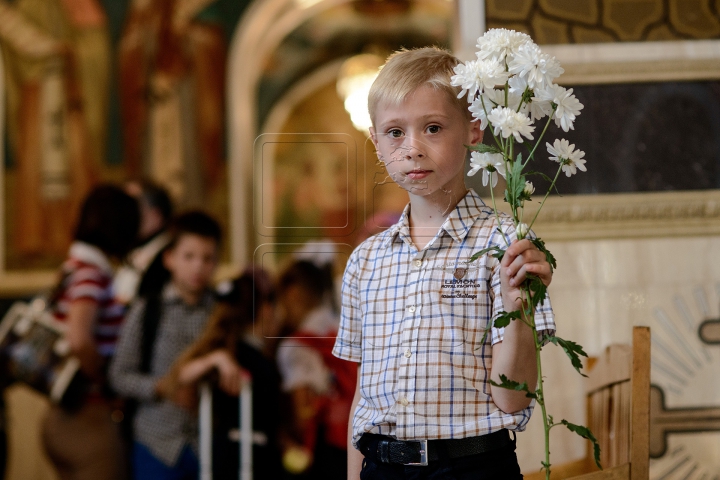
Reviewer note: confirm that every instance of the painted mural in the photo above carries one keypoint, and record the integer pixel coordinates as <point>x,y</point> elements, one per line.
<point>109,90</point>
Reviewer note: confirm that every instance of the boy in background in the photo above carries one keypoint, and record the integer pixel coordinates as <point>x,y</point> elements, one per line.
<point>157,330</point>
<point>415,309</point>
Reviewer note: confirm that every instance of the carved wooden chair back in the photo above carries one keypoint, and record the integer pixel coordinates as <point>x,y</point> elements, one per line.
<point>618,406</point>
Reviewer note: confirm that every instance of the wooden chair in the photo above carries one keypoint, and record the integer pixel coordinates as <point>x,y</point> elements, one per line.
<point>618,411</point>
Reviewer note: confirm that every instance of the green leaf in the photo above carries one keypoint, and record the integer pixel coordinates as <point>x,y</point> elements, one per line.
<point>548,256</point>
<point>572,350</point>
<point>504,319</point>
<point>499,252</point>
<point>538,291</point>
<point>587,434</point>
<point>515,182</point>
<point>483,148</point>
<point>513,385</point>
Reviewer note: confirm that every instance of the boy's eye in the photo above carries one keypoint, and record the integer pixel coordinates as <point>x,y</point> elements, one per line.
<point>395,133</point>
<point>433,128</point>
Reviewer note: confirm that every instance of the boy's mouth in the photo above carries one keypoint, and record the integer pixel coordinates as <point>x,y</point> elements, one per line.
<point>418,173</point>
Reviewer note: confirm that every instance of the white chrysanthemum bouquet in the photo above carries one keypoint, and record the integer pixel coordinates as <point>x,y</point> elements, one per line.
<point>509,87</point>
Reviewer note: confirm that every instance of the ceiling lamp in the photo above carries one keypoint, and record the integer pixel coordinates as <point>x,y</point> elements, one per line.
<point>354,80</point>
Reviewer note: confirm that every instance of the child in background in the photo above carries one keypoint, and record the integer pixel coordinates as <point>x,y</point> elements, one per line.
<point>86,444</point>
<point>157,330</point>
<point>143,271</point>
<point>235,339</point>
<point>320,386</point>
<point>424,406</point>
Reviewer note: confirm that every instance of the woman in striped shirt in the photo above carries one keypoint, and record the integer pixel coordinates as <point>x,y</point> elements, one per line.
<point>85,443</point>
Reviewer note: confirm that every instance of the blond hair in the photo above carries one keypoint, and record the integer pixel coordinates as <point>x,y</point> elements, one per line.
<point>407,70</point>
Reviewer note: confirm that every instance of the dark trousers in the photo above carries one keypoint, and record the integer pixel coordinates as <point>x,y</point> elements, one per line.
<point>147,467</point>
<point>500,464</point>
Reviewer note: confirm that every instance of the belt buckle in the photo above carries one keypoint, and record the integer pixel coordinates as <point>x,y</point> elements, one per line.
<point>423,454</point>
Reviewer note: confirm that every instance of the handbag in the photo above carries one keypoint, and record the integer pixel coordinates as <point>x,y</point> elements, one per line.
<point>33,351</point>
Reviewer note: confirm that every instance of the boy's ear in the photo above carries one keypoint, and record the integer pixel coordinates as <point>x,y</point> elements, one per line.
<point>168,259</point>
<point>373,137</point>
<point>476,135</point>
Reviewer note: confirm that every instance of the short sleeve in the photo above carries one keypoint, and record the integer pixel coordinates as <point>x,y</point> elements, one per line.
<point>544,318</point>
<point>87,283</point>
<point>349,338</point>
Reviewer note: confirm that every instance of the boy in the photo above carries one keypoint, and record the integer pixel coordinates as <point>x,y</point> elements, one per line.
<point>414,310</point>
<point>157,330</point>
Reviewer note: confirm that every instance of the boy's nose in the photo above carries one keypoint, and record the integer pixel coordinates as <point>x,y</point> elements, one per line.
<point>411,151</point>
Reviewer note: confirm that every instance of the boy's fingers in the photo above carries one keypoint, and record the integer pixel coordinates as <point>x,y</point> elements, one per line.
<point>518,247</point>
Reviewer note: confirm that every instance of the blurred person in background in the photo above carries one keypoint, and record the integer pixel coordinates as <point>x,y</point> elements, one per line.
<point>143,271</point>
<point>320,387</point>
<point>236,340</point>
<point>159,327</point>
<point>85,444</point>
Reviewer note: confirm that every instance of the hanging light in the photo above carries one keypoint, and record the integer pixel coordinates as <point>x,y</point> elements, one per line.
<point>354,80</point>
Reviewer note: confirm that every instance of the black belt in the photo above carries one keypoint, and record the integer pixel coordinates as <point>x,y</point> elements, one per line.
<point>381,448</point>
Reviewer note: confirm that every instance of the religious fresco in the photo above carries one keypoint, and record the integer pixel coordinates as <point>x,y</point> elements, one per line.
<point>109,90</point>
<point>596,21</point>
<point>57,74</point>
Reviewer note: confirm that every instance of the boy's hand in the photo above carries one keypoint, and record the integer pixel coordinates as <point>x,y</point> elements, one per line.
<point>521,258</point>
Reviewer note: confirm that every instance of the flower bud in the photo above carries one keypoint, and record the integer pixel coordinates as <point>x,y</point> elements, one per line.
<point>529,189</point>
<point>521,231</point>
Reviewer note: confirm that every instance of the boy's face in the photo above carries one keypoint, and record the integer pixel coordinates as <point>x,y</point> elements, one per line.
<point>192,262</point>
<point>422,142</point>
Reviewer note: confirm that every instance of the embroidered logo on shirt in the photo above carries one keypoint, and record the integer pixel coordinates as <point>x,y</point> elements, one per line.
<point>459,273</point>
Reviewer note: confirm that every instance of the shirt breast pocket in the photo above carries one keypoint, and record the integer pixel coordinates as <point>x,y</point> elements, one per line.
<point>460,310</point>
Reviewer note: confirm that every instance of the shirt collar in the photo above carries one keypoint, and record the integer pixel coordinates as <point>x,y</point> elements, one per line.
<point>90,254</point>
<point>170,294</point>
<point>457,224</point>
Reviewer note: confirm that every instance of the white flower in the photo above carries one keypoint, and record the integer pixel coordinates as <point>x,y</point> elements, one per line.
<point>499,43</point>
<point>478,75</point>
<point>517,84</point>
<point>529,189</point>
<point>537,68</point>
<point>537,109</point>
<point>510,122</point>
<point>568,107</point>
<point>564,152</point>
<point>478,110</point>
<point>489,163</point>
<point>498,98</point>
<point>491,99</point>
<point>521,230</point>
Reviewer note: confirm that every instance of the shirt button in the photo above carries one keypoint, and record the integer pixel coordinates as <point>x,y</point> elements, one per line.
<point>407,353</point>
<point>411,309</point>
<point>418,263</point>
<point>404,402</point>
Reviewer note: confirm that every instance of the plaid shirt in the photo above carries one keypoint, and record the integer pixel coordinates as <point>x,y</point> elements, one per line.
<point>162,426</point>
<point>415,320</point>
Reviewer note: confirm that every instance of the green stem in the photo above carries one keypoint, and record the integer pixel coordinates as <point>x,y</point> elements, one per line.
<point>552,185</point>
<point>539,390</point>
<point>547,124</point>
<point>541,395</point>
<point>511,160</point>
<point>521,99</point>
<point>497,215</point>
<point>492,131</point>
